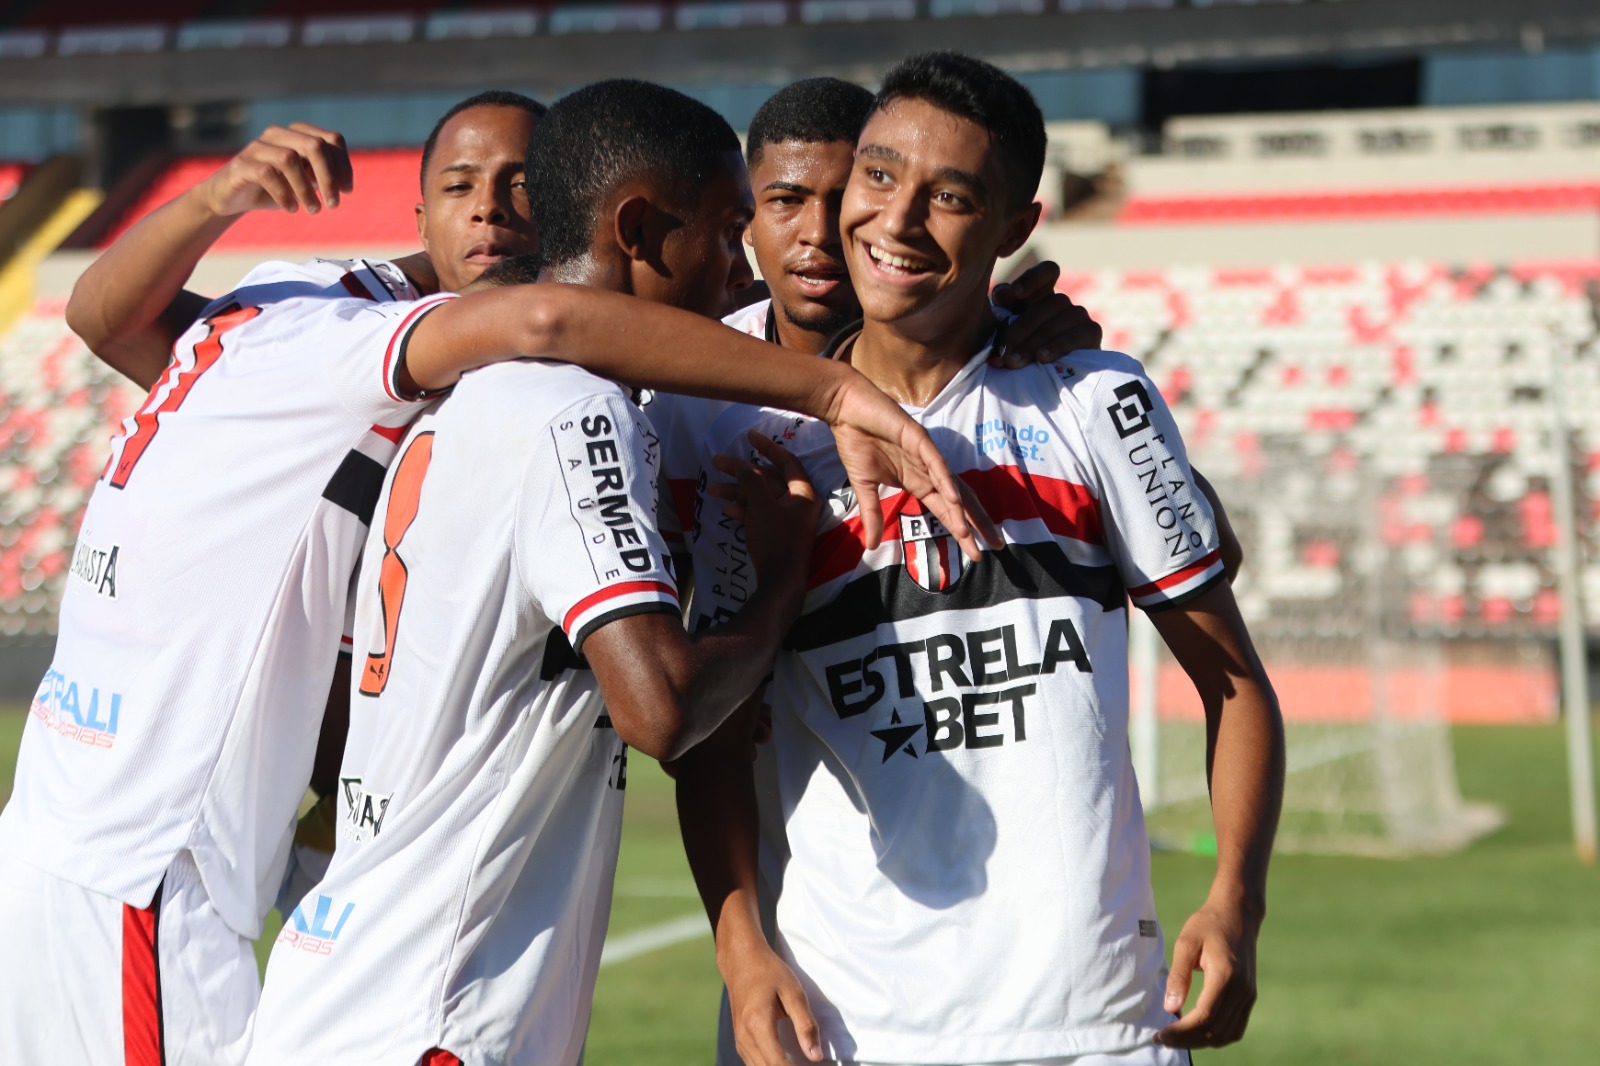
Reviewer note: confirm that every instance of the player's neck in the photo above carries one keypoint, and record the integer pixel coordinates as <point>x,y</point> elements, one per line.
<point>914,360</point>
<point>418,269</point>
<point>584,270</point>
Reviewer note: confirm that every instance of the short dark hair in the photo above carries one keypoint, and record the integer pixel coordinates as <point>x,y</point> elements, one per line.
<point>604,134</point>
<point>988,96</point>
<point>491,98</point>
<point>816,111</point>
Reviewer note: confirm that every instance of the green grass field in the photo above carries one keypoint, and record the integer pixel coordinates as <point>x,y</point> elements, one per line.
<point>1488,956</point>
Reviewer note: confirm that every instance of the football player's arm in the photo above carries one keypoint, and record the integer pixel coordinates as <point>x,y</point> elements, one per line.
<point>131,305</point>
<point>1228,542</point>
<point>1245,768</point>
<point>666,691</point>
<point>718,816</point>
<point>621,338</point>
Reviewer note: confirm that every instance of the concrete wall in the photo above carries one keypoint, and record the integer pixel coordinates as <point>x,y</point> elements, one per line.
<point>1496,238</point>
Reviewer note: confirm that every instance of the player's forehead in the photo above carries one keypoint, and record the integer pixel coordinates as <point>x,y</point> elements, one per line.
<point>812,166</point>
<point>487,136</point>
<point>922,137</point>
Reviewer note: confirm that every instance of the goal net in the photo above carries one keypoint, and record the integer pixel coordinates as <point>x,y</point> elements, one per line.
<point>1340,589</point>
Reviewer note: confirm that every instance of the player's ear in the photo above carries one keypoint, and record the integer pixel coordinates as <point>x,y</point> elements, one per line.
<point>631,227</point>
<point>422,227</point>
<point>1021,227</point>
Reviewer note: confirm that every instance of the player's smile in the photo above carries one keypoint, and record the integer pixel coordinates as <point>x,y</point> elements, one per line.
<point>897,266</point>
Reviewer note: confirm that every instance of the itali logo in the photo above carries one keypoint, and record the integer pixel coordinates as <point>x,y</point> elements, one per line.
<point>315,936</point>
<point>77,712</point>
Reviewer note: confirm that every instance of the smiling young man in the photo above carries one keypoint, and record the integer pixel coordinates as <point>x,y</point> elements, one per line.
<point>967,878</point>
<point>799,150</point>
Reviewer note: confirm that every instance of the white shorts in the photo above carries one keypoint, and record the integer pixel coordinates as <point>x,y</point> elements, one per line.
<point>1150,1055</point>
<point>91,981</point>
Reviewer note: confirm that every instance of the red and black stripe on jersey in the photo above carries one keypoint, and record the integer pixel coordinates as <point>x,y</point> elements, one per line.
<point>1039,571</point>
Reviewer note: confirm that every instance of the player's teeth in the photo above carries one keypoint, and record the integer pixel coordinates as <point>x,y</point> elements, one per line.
<point>897,261</point>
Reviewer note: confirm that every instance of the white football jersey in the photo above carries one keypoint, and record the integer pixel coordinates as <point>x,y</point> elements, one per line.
<point>200,626</point>
<point>680,423</point>
<point>968,878</point>
<point>481,804</point>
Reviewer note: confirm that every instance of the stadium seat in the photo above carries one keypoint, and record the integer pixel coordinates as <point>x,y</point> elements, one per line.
<point>58,408</point>
<point>1428,380</point>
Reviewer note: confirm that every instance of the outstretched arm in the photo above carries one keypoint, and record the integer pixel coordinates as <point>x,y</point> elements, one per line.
<point>1245,767</point>
<point>650,345</point>
<point>131,305</point>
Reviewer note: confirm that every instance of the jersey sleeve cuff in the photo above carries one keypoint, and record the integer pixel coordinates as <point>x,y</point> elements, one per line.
<point>1180,586</point>
<point>394,354</point>
<point>614,602</point>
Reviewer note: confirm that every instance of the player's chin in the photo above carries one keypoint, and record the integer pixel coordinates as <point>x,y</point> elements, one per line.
<point>821,316</point>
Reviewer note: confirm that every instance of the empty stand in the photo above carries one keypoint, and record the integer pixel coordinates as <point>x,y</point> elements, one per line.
<point>1436,382</point>
<point>58,408</point>
<point>378,214</point>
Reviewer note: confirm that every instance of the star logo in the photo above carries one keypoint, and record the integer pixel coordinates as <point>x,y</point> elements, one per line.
<point>897,737</point>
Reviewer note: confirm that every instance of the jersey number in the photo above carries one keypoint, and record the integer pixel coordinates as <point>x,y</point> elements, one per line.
<point>206,354</point>
<point>405,493</point>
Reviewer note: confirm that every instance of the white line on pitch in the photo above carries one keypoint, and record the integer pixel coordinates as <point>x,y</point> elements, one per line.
<point>653,938</point>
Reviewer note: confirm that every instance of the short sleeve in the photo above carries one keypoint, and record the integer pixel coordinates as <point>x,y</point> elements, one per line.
<point>363,345</point>
<point>1159,528</point>
<point>586,542</point>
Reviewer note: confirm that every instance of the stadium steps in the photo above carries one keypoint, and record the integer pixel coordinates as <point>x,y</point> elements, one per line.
<point>17,276</point>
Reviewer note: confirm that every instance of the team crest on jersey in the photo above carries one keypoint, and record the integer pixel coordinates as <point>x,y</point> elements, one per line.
<point>933,559</point>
